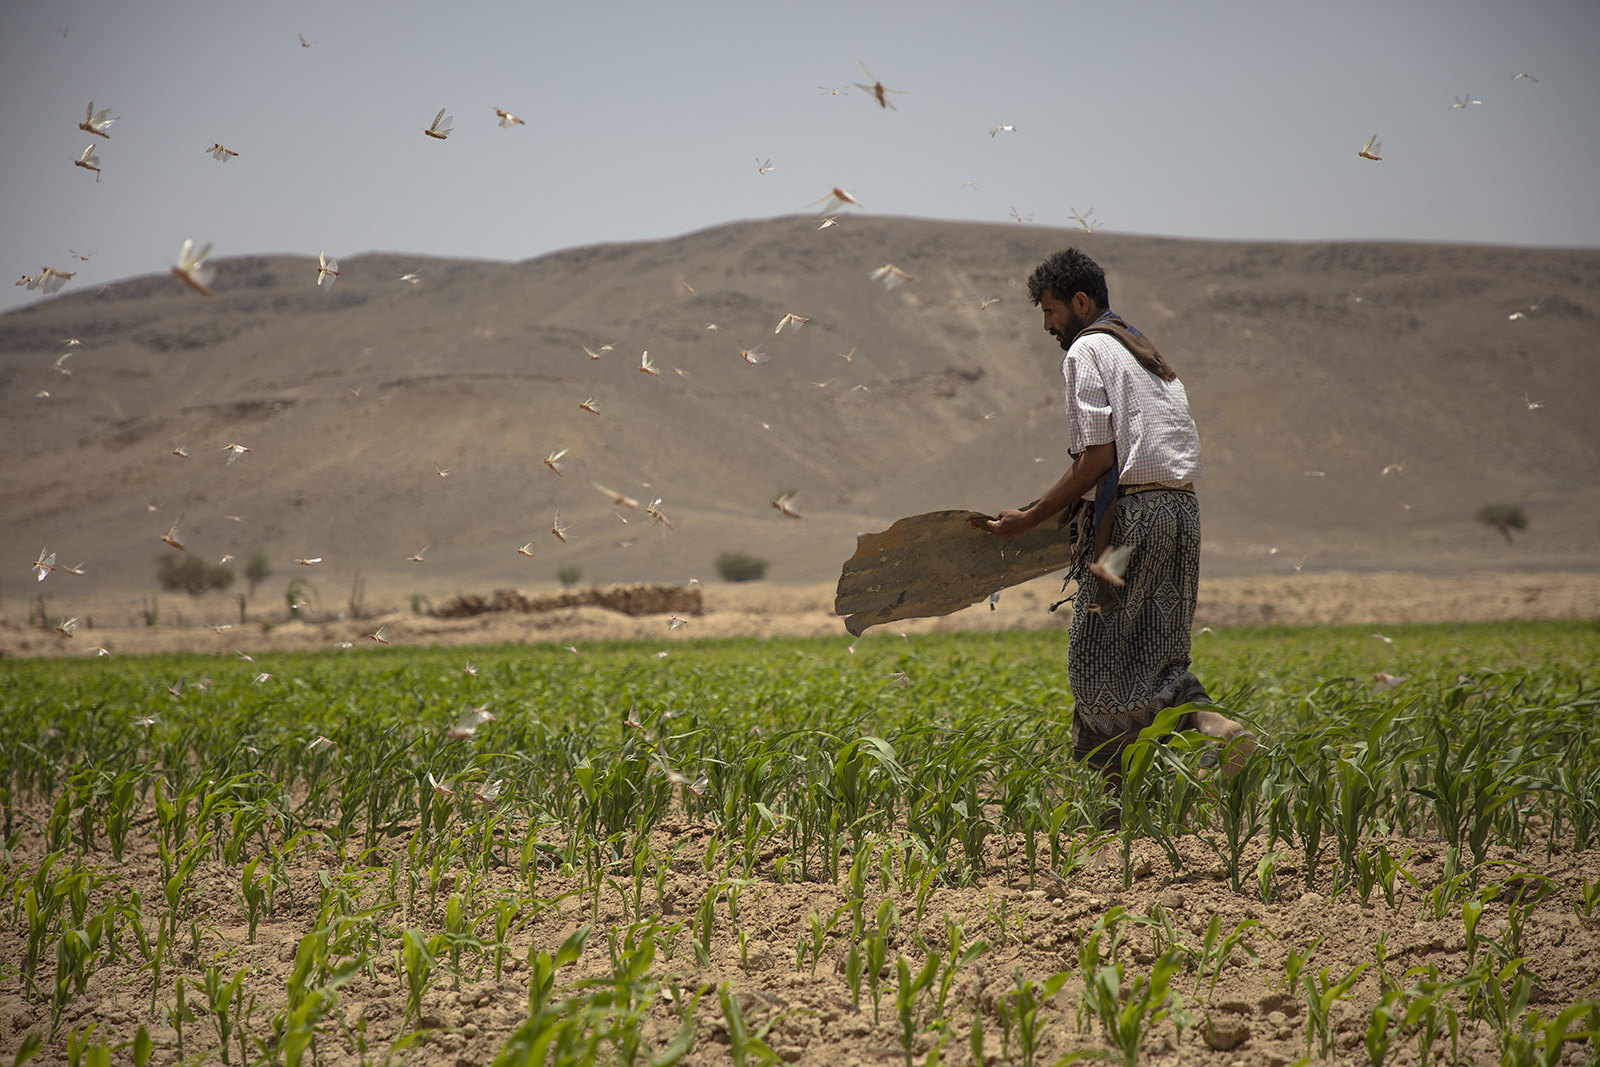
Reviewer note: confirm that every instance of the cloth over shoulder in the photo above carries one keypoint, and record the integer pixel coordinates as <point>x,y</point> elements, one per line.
<point>1119,389</point>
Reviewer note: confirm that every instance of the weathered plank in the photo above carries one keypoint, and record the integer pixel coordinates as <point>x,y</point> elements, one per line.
<point>937,563</point>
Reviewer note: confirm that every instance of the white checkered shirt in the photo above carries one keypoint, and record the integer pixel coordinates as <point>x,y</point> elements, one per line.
<point>1111,397</point>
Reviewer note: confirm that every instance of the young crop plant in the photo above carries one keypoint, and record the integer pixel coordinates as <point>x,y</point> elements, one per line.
<point>458,936</point>
<point>1128,1018</point>
<point>875,951</point>
<point>1154,801</point>
<point>1239,802</point>
<point>1588,897</point>
<point>1321,993</point>
<point>74,963</point>
<point>1382,1026</point>
<point>1469,784</point>
<point>416,963</point>
<point>1295,962</point>
<point>907,807</point>
<point>1452,885</point>
<point>1540,1042</point>
<point>907,990</point>
<point>957,958</point>
<point>746,1046</point>
<point>1216,949</point>
<point>1025,1003</point>
<point>226,1005</point>
<point>820,930</point>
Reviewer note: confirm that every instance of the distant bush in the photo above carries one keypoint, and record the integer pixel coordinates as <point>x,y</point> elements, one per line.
<point>741,567</point>
<point>1503,517</point>
<point>295,594</point>
<point>191,574</point>
<point>569,575</point>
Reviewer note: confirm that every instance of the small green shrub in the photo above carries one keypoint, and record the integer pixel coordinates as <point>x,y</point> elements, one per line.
<point>741,567</point>
<point>569,575</point>
<point>191,574</point>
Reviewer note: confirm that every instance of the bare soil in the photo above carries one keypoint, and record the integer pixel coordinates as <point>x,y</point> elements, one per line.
<point>1033,921</point>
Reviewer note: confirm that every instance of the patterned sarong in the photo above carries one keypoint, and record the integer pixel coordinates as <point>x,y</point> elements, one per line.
<point>1130,659</point>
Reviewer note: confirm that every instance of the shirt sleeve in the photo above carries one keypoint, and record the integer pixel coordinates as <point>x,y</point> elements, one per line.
<point>1088,406</point>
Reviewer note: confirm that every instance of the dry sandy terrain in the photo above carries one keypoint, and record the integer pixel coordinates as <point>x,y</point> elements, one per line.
<point>758,609</point>
<point>1357,403</point>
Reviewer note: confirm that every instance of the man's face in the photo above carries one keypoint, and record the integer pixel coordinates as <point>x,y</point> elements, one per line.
<point>1061,319</point>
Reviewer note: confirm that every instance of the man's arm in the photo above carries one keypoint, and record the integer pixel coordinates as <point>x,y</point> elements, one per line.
<point>1085,471</point>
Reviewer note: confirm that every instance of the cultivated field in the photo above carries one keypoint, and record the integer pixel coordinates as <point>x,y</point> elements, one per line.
<point>779,850</point>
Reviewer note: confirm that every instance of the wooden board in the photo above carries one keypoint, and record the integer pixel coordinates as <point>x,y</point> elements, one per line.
<point>937,563</point>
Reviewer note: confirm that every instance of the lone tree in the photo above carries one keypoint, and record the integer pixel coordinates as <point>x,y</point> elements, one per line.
<point>1503,517</point>
<point>258,570</point>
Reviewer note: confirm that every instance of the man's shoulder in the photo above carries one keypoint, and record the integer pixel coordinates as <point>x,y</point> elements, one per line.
<point>1098,344</point>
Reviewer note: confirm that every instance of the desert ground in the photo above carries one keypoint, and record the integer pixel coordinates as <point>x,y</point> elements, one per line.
<point>210,624</point>
<point>1358,404</point>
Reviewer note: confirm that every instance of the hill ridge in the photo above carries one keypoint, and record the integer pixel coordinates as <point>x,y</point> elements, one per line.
<point>1299,357</point>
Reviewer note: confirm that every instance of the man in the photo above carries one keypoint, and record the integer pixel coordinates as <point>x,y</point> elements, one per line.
<point>1128,423</point>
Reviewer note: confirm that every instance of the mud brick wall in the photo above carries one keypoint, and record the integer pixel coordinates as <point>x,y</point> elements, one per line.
<point>637,598</point>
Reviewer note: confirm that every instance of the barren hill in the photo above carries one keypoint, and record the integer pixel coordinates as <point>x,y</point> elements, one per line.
<point>1311,368</point>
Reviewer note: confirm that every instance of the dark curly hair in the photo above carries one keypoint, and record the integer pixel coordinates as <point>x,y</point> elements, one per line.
<point>1068,272</point>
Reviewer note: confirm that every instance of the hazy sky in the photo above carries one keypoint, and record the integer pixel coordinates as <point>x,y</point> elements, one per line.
<point>646,120</point>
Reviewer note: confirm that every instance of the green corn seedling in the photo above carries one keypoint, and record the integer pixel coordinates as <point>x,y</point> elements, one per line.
<point>224,999</point>
<point>74,962</point>
<point>1381,1027</point>
<point>1588,898</point>
<point>254,894</point>
<point>956,959</point>
<point>876,952</point>
<point>1239,806</point>
<point>745,1046</point>
<point>417,963</point>
<point>907,990</point>
<point>1321,993</point>
<point>1539,1042</point>
<point>1216,949</point>
<point>1295,962</point>
<point>1031,996</point>
<point>543,968</point>
<point>180,1013</point>
<point>1128,1020</point>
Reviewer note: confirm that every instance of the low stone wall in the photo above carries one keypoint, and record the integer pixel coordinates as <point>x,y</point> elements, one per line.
<point>638,598</point>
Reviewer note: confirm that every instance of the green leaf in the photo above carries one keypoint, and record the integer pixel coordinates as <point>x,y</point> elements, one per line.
<point>32,1043</point>
<point>142,1047</point>
<point>572,947</point>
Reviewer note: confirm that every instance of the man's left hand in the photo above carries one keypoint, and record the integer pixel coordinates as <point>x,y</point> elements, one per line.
<point>1007,524</point>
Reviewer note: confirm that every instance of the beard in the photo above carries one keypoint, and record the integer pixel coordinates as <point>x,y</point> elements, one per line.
<point>1065,336</point>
